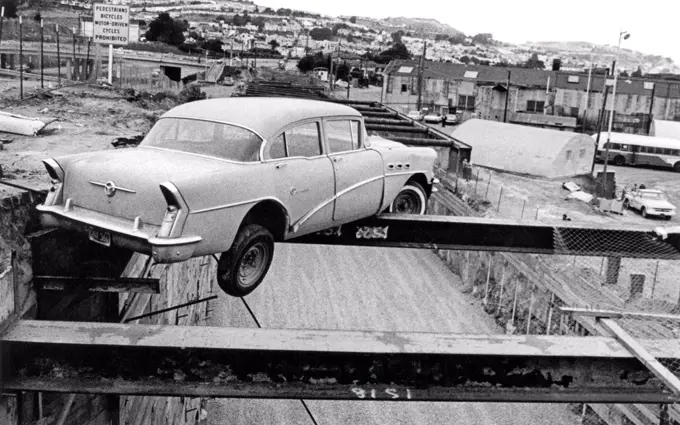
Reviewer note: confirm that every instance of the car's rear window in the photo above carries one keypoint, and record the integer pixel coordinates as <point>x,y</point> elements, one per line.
<point>205,138</point>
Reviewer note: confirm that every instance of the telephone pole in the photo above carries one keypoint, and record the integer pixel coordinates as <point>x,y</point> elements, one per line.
<point>507,97</point>
<point>420,76</point>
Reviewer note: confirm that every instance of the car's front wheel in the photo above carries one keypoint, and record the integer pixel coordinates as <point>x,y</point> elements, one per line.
<point>242,268</point>
<point>411,199</point>
<point>644,212</point>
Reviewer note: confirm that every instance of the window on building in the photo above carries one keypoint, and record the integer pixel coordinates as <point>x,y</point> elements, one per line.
<point>535,105</point>
<point>390,81</point>
<point>471,74</point>
<point>573,79</point>
<point>466,103</point>
<point>582,153</point>
<point>404,88</point>
<point>568,155</point>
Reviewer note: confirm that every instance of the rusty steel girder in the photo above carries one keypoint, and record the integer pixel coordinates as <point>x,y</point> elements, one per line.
<point>157,360</point>
<point>501,235</point>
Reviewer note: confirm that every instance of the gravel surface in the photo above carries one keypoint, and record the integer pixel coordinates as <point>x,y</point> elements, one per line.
<point>352,288</point>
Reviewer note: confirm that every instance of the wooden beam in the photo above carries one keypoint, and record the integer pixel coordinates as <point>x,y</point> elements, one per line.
<point>614,314</point>
<point>97,284</point>
<point>649,360</point>
<point>317,364</point>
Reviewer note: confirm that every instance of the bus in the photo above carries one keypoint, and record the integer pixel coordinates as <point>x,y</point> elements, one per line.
<point>634,149</point>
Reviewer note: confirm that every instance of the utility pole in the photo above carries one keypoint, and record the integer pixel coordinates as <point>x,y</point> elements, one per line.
<point>507,97</point>
<point>599,123</point>
<point>330,73</point>
<point>2,18</point>
<point>651,110</point>
<point>420,77</point>
<point>58,59</point>
<point>21,58</point>
<point>42,55</point>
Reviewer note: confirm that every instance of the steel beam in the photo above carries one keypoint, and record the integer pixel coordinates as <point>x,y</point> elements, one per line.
<point>97,284</point>
<point>317,364</point>
<point>482,234</point>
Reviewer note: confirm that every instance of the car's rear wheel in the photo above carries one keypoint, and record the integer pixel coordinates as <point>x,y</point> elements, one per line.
<point>411,199</point>
<point>644,212</point>
<point>242,268</point>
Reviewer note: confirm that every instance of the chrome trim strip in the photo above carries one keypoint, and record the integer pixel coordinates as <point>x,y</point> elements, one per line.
<point>236,204</point>
<point>216,158</point>
<point>122,189</point>
<point>316,209</point>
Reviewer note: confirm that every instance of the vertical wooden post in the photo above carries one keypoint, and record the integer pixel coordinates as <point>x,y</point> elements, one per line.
<point>531,307</point>
<point>58,58</point>
<point>550,312</point>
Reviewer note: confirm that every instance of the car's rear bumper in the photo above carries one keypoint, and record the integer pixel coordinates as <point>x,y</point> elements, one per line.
<point>123,233</point>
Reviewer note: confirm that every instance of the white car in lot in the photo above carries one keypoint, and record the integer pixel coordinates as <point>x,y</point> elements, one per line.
<point>433,117</point>
<point>649,202</point>
<point>416,115</point>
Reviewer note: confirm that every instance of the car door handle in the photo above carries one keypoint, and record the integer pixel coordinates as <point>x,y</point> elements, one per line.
<point>337,159</point>
<point>279,166</point>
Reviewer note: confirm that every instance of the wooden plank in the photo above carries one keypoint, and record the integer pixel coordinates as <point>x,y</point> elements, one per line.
<point>649,360</point>
<point>613,314</point>
<point>98,284</point>
<point>298,340</point>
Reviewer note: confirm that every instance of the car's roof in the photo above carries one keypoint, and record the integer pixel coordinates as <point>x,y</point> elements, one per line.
<point>264,115</point>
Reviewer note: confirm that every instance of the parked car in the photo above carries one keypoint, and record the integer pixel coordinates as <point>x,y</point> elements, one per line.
<point>416,115</point>
<point>433,118</point>
<point>649,202</point>
<point>451,118</point>
<point>228,81</point>
<point>233,176</point>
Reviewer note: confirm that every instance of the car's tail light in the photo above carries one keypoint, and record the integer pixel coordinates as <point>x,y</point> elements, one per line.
<point>175,213</point>
<point>54,196</point>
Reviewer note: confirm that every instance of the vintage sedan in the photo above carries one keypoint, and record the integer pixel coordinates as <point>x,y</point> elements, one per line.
<point>233,176</point>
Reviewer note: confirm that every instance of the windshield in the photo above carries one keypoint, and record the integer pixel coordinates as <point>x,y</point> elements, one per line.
<point>205,138</point>
<point>653,195</point>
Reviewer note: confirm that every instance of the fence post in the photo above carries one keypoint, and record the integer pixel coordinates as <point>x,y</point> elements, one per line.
<point>656,270</point>
<point>531,306</point>
<point>500,197</point>
<point>499,308</point>
<point>550,311</point>
<point>514,302</point>
<point>487,187</point>
<point>488,277</point>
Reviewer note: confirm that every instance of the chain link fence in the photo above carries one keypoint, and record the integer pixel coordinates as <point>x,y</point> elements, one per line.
<point>524,292</point>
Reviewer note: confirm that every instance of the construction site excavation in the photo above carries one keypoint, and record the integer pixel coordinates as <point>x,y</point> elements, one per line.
<point>315,254</point>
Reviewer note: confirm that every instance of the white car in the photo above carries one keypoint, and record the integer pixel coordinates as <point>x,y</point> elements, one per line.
<point>416,115</point>
<point>433,117</point>
<point>649,202</point>
<point>451,119</point>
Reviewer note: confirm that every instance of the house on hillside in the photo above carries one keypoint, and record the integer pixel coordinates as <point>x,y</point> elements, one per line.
<point>526,150</point>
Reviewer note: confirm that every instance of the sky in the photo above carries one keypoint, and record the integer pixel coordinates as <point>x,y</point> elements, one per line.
<point>652,24</point>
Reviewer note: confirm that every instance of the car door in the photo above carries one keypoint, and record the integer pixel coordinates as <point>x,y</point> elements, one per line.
<point>359,174</point>
<point>303,176</point>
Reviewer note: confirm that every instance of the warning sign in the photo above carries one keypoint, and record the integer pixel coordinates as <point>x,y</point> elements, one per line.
<point>111,24</point>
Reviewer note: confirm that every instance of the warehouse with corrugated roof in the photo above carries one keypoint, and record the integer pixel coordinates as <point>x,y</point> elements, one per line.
<point>526,150</point>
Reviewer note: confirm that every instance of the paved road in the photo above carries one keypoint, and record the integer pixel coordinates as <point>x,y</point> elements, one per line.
<point>356,288</point>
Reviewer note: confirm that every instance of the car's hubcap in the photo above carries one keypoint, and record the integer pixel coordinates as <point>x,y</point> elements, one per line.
<point>253,263</point>
<point>408,202</point>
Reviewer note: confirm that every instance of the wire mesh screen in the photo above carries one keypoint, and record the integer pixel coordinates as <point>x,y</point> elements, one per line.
<point>596,268</point>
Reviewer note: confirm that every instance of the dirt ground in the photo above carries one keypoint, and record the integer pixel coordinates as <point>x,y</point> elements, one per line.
<point>88,118</point>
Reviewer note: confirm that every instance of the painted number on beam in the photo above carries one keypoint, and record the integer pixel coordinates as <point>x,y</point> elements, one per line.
<point>387,393</point>
<point>367,232</point>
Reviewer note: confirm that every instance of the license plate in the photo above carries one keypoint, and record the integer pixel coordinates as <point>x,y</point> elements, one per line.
<point>103,238</point>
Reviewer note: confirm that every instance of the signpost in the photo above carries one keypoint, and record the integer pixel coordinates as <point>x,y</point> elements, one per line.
<point>112,27</point>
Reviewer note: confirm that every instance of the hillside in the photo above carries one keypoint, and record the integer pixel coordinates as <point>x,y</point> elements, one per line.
<point>580,51</point>
<point>421,25</point>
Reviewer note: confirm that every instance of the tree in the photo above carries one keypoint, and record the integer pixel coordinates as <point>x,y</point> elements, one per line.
<point>534,63</point>
<point>396,36</point>
<point>10,8</point>
<point>397,51</point>
<point>464,59</point>
<point>353,19</point>
<point>338,27</point>
<point>624,73</point>
<point>457,39</point>
<point>274,44</point>
<point>320,34</point>
<point>350,38</point>
<point>166,30</point>
<point>213,45</point>
<point>257,9</point>
<point>440,37</point>
<point>309,62</point>
<point>637,73</point>
<point>483,38</point>
<point>37,17</point>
